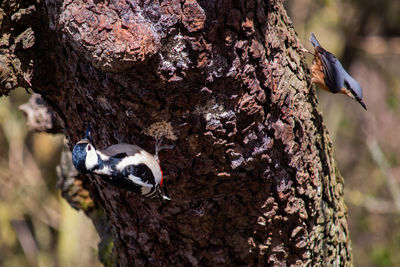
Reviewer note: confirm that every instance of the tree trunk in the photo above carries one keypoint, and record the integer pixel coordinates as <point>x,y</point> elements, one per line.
<point>251,176</point>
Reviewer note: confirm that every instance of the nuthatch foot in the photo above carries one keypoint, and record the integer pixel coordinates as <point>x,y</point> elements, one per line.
<point>329,74</point>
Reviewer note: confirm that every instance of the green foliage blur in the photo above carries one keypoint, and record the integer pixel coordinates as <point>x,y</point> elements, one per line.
<point>365,36</point>
<point>37,226</point>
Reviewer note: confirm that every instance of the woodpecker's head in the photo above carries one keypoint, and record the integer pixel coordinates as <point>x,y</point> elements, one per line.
<point>84,155</point>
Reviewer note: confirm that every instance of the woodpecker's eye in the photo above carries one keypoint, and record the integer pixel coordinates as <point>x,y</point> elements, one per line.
<point>89,147</point>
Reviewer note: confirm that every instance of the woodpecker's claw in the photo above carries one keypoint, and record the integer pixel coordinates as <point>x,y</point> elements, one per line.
<point>166,198</point>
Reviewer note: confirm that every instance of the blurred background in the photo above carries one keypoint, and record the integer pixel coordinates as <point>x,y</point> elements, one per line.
<point>365,36</point>
<point>38,227</point>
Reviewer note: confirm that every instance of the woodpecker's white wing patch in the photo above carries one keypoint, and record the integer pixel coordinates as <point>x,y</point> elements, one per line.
<point>144,186</point>
<point>139,181</point>
<point>128,149</point>
<point>136,160</point>
<point>141,158</point>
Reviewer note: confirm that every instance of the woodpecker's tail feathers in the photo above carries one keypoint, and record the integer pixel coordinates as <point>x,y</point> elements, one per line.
<point>314,40</point>
<point>157,193</point>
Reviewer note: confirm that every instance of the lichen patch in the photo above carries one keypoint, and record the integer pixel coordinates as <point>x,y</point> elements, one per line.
<point>161,129</point>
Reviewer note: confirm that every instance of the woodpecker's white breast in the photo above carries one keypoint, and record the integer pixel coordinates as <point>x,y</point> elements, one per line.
<point>91,159</point>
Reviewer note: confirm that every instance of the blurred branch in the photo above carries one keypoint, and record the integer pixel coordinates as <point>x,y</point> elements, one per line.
<point>39,116</point>
<point>29,207</point>
<point>26,240</point>
<point>379,205</point>
<point>371,204</point>
<point>25,175</point>
<point>381,161</point>
<point>376,45</point>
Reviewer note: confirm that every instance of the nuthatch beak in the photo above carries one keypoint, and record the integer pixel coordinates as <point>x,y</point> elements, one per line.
<point>329,74</point>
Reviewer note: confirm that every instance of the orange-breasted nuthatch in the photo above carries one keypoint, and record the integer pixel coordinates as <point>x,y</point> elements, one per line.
<point>124,165</point>
<point>329,74</point>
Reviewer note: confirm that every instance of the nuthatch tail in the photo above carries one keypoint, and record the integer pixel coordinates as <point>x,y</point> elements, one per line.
<point>329,74</point>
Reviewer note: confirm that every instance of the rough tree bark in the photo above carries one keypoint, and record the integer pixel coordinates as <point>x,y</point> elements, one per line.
<point>251,176</point>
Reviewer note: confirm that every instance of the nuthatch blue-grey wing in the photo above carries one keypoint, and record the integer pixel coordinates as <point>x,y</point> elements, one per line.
<point>329,74</point>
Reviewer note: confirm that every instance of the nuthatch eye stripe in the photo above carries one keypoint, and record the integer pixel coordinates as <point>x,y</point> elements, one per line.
<point>329,74</point>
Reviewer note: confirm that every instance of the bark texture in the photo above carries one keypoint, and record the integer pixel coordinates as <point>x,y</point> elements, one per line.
<point>251,176</point>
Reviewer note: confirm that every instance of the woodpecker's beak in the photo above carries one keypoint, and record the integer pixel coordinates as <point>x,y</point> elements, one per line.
<point>88,136</point>
<point>88,133</point>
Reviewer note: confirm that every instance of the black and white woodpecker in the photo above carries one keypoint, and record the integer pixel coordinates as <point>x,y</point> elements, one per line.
<point>124,165</point>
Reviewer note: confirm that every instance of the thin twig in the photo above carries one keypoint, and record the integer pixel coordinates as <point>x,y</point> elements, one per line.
<point>381,161</point>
